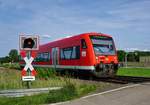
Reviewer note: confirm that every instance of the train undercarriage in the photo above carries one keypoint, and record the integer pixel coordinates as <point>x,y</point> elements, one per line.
<point>105,70</point>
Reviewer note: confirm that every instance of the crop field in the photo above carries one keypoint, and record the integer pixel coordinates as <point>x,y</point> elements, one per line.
<point>139,72</point>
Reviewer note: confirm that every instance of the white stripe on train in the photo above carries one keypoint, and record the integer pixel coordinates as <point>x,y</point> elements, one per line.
<point>67,67</point>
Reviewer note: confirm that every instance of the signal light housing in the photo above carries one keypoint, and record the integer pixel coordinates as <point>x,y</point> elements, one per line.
<point>29,42</point>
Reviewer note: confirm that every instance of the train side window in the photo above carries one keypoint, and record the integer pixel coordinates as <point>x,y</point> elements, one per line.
<point>43,56</point>
<point>73,55</point>
<point>83,44</point>
<point>70,53</point>
<point>38,57</point>
<point>77,52</point>
<point>46,56</point>
<point>67,52</point>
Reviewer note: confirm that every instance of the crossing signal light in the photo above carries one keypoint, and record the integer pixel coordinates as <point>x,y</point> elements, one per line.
<point>29,42</point>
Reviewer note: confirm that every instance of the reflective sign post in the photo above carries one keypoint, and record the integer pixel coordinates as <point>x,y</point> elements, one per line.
<point>28,45</point>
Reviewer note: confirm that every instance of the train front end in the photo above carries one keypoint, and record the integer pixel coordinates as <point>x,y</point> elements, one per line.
<point>105,54</point>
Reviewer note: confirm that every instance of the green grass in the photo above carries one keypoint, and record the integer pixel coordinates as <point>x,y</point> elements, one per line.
<point>28,100</point>
<point>45,73</point>
<point>11,65</point>
<point>11,79</point>
<point>141,72</point>
<point>71,90</point>
<point>138,64</point>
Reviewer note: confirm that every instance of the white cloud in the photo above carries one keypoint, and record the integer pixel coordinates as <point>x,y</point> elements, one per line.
<point>45,36</point>
<point>135,49</point>
<point>131,49</point>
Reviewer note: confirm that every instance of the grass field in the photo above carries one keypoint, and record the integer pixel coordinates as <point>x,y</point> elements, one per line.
<point>137,64</point>
<point>10,65</point>
<point>68,92</point>
<point>140,72</point>
<point>11,79</point>
<point>72,88</point>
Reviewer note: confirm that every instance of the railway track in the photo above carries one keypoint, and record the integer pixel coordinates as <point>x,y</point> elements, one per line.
<point>124,79</point>
<point>133,79</point>
<point>115,79</point>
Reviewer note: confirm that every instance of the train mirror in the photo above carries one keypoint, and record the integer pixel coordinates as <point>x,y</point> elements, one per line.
<point>29,42</point>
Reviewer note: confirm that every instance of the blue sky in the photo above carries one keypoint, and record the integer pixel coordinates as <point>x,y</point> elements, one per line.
<point>128,21</point>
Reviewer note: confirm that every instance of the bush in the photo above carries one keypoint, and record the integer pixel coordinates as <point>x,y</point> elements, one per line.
<point>11,65</point>
<point>85,88</point>
<point>45,73</point>
<point>68,92</point>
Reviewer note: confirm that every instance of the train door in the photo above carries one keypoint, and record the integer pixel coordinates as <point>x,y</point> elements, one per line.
<point>84,59</point>
<point>55,56</point>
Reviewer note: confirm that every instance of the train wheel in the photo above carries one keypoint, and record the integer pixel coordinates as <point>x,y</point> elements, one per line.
<point>113,70</point>
<point>99,72</point>
<point>106,71</point>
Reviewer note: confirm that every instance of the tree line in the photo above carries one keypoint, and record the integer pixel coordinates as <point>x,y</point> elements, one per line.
<point>12,57</point>
<point>131,56</point>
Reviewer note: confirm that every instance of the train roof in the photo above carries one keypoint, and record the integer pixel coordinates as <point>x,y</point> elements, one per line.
<point>75,36</point>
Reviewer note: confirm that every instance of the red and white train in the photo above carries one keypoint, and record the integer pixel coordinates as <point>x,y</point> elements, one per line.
<point>87,52</point>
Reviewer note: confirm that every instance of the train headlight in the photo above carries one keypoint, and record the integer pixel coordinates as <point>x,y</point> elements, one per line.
<point>107,59</point>
<point>115,58</point>
<point>96,58</point>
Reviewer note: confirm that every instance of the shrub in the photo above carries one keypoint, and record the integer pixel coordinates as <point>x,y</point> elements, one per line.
<point>68,92</point>
<point>45,73</point>
<point>71,90</point>
<point>11,65</point>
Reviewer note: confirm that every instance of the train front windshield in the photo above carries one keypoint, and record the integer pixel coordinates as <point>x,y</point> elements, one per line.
<point>103,45</point>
